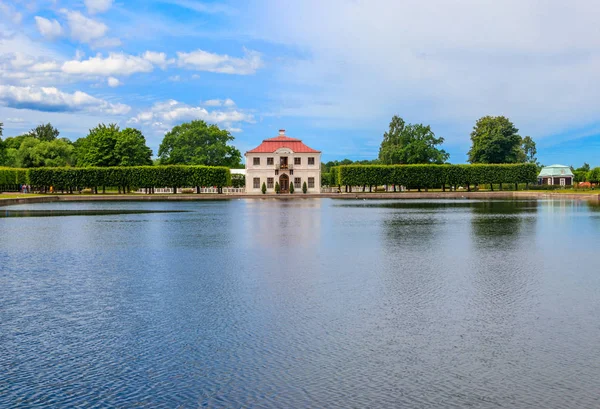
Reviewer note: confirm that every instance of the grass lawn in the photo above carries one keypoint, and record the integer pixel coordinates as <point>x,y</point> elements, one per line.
<point>16,195</point>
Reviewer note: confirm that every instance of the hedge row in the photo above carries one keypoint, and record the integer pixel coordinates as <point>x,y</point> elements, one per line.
<point>432,176</point>
<point>11,178</point>
<point>126,177</point>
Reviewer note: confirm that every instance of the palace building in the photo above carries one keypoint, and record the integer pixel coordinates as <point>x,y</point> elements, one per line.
<point>283,160</point>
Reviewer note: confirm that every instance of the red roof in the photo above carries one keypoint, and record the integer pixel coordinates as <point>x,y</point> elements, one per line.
<point>281,141</point>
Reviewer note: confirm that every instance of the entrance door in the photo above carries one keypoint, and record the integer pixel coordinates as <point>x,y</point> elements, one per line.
<point>284,183</point>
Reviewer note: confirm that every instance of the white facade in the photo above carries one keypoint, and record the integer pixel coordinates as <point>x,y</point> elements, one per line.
<point>283,165</point>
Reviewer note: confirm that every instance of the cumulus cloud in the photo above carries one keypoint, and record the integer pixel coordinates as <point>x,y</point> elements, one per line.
<point>159,59</point>
<point>113,82</point>
<point>84,29</point>
<point>98,6</point>
<point>172,112</point>
<point>50,99</point>
<point>113,64</point>
<point>201,60</point>
<point>50,29</point>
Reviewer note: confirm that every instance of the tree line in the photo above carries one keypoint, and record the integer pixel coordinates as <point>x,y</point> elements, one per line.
<point>192,143</point>
<point>494,140</point>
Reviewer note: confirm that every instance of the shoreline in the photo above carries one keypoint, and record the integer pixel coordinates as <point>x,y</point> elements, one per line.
<point>340,196</point>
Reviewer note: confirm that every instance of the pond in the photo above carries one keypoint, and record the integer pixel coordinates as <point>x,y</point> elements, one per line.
<point>303,303</point>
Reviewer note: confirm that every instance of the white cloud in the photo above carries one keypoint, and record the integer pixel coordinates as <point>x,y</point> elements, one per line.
<point>50,29</point>
<point>175,78</point>
<point>222,63</point>
<point>50,99</point>
<point>84,29</point>
<point>11,12</point>
<point>159,59</point>
<point>113,82</point>
<point>172,112</point>
<point>98,6</point>
<point>113,64</point>
<point>437,61</point>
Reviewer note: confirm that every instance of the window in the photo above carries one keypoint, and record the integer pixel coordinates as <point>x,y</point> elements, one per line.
<point>297,161</point>
<point>311,183</point>
<point>276,172</point>
<point>291,171</point>
<point>311,161</point>
<point>270,161</point>
<point>256,182</point>
<point>270,183</point>
<point>256,162</point>
<point>297,183</point>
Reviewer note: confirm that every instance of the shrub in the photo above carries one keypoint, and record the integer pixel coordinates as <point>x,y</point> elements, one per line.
<point>291,188</point>
<point>263,189</point>
<point>304,188</point>
<point>277,188</point>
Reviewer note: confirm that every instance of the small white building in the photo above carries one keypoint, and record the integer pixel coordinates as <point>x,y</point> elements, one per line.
<point>283,160</point>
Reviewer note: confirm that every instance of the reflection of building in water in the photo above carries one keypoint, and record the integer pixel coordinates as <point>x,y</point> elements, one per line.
<point>285,161</point>
<point>281,223</point>
<point>557,175</point>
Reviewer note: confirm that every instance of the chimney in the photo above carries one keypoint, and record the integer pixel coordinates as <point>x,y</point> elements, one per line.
<point>282,132</point>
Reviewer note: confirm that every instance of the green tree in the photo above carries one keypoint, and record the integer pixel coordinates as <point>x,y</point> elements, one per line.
<point>110,146</point>
<point>594,175</point>
<point>529,150</point>
<point>131,149</point>
<point>39,153</point>
<point>410,144</point>
<point>263,189</point>
<point>277,187</point>
<point>196,143</point>
<point>45,132</point>
<point>304,188</point>
<point>496,140</point>
<point>291,187</point>
<point>581,173</point>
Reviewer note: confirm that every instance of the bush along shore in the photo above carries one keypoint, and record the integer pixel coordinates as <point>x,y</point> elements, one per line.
<point>431,176</point>
<point>125,179</point>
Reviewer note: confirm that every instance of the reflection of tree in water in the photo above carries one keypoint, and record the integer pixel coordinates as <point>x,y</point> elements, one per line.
<point>502,222</point>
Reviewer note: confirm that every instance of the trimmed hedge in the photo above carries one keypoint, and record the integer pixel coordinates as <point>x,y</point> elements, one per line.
<point>124,177</point>
<point>11,178</point>
<point>432,176</point>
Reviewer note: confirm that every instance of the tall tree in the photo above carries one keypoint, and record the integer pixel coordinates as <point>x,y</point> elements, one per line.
<point>410,144</point>
<point>107,145</point>
<point>131,148</point>
<point>196,143</point>
<point>495,139</point>
<point>37,153</point>
<point>45,132</point>
<point>529,150</point>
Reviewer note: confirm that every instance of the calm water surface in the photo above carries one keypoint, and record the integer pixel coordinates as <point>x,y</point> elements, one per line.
<point>308,303</point>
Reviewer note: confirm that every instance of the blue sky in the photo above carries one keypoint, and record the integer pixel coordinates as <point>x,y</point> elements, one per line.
<point>331,73</point>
